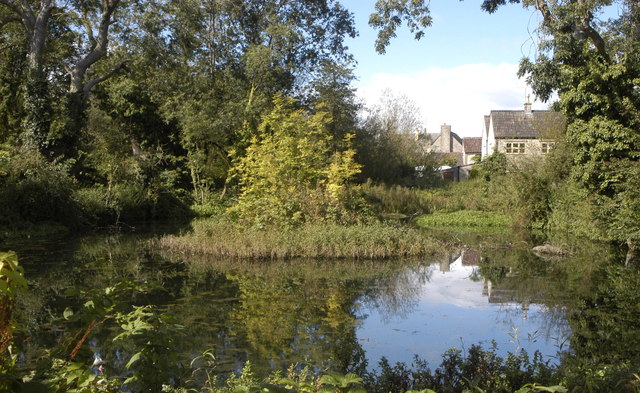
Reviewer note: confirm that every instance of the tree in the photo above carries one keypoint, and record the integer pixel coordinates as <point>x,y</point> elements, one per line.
<point>290,174</point>
<point>89,24</point>
<point>216,65</point>
<point>389,145</point>
<point>389,15</point>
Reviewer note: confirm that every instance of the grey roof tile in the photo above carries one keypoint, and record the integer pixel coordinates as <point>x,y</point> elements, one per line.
<point>518,125</point>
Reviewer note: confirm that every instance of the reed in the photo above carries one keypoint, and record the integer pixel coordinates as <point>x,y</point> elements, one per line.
<point>225,239</point>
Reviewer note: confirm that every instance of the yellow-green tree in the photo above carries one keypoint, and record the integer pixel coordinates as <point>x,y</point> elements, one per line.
<point>290,173</point>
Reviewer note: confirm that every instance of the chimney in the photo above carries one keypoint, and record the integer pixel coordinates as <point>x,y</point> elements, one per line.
<point>527,107</point>
<point>445,139</point>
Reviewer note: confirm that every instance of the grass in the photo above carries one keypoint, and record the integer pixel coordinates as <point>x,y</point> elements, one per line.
<point>221,238</point>
<point>464,218</point>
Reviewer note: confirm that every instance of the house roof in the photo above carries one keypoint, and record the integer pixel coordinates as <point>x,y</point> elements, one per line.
<point>518,124</point>
<point>458,157</point>
<point>472,145</point>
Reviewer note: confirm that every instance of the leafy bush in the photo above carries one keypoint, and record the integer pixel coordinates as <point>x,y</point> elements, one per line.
<point>127,203</point>
<point>394,199</point>
<point>290,174</point>
<point>493,165</point>
<point>34,190</point>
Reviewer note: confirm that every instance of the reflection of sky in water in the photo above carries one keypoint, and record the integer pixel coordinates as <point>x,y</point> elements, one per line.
<point>449,309</point>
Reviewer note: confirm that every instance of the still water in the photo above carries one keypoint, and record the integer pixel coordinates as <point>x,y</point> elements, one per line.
<point>454,306</point>
<point>345,314</point>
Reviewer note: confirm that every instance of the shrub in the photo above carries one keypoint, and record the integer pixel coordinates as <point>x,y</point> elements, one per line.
<point>34,190</point>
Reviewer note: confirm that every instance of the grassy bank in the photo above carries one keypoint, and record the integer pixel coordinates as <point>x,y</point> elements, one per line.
<point>221,238</point>
<point>464,218</point>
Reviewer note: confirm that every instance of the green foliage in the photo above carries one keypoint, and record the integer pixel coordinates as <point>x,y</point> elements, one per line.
<point>34,190</point>
<point>337,383</point>
<point>12,283</point>
<point>386,200</point>
<point>156,337</point>
<point>289,174</point>
<point>493,165</point>
<point>388,17</point>
<point>390,130</point>
<point>464,218</point>
<point>478,370</point>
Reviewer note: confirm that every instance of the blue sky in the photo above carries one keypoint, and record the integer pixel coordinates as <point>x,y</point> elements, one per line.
<point>462,68</point>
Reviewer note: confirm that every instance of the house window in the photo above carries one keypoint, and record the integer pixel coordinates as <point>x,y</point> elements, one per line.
<point>514,148</point>
<point>547,146</point>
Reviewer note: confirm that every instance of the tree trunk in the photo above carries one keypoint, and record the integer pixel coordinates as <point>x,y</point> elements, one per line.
<point>37,107</point>
<point>37,103</point>
<point>633,253</point>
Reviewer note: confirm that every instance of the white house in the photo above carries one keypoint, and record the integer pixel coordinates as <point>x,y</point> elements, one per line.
<point>521,132</point>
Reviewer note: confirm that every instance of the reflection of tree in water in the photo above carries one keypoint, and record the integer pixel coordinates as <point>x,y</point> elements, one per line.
<point>520,281</point>
<point>605,322</point>
<point>291,317</point>
<point>397,294</point>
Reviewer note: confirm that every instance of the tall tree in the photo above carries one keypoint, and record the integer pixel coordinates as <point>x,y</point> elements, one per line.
<point>89,23</point>
<point>389,147</point>
<point>219,64</point>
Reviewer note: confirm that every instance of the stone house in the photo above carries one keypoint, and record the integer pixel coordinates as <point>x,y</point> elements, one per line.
<point>445,144</point>
<point>471,147</point>
<point>521,133</point>
<point>451,148</point>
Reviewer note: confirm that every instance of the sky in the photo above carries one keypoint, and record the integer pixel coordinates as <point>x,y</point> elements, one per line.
<point>464,67</point>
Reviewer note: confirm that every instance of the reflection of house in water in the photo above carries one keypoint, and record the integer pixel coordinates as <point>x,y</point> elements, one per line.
<point>512,288</point>
<point>467,257</point>
<point>470,258</point>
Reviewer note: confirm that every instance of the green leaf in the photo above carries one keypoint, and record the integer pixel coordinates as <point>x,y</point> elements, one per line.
<point>68,313</point>
<point>133,359</point>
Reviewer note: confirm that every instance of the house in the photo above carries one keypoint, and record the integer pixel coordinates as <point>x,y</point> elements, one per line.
<point>445,141</point>
<point>521,132</point>
<point>446,145</point>
<point>471,147</point>
<point>456,153</point>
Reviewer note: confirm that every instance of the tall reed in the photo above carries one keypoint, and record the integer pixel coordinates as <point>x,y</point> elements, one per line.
<point>221,238</point>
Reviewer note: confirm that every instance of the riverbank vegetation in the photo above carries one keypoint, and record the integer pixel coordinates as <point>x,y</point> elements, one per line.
<point>226,239</point>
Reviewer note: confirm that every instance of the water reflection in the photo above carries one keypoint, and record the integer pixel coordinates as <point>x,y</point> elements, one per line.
<point>450,304</point>
<point>337,314</point>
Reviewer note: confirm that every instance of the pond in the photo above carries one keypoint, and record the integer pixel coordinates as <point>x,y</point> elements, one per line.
<point>344,315</point>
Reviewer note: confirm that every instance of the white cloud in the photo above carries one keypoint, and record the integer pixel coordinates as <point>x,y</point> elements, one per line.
<point>458,96</point>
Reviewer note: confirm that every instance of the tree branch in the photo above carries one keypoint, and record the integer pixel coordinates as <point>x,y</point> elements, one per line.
<point>27,15</point>
<point>87,25</point>
<point>8,20</point>
<point>543,8</point>
<point>100,48</point>
<point>12,6</point>
<point>596,39</point>
<point>89,85</point>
